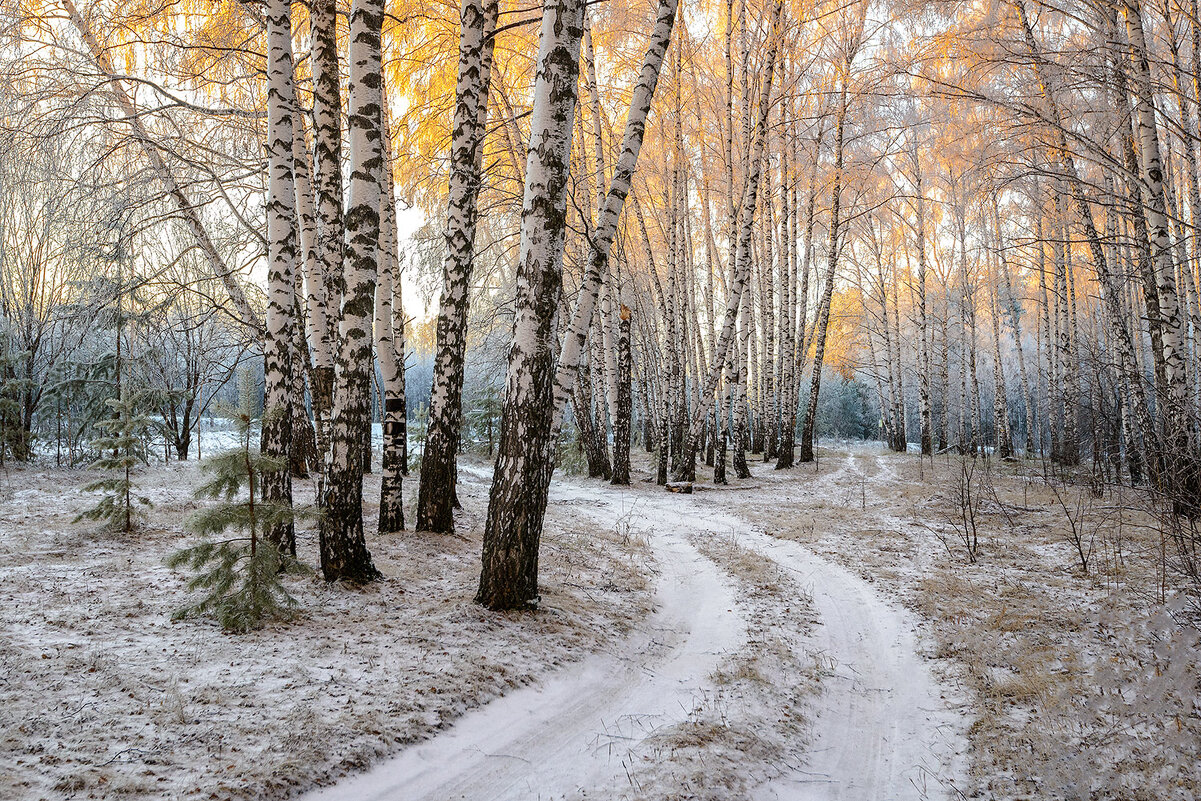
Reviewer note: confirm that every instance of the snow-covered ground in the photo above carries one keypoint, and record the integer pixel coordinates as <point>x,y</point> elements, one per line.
<point>216,434</point>
<point>807,634</point>
<point>102,696</point>
<point>1077,684</point>
<point>575,731</point>
<point>728,691</point>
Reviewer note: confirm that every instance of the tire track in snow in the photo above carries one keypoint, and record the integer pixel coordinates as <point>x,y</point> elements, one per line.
<point>882,727</point>
<point>574,731</point>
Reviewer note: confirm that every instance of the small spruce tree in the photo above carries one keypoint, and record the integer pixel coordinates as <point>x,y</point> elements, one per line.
<point>15,438</point>
<point>239,578</point>
<point>122,449</point>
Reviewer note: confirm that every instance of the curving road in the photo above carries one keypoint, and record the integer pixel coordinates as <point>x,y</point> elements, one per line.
<point>882,729</point>
<point>574,731</point>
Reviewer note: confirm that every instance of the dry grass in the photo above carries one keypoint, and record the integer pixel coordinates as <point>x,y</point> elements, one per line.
<point>1039,643</point>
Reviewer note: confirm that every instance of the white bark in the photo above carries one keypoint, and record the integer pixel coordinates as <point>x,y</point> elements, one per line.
<point>343,548</point>
<point>318,334</point>
<point>1151,163</point>
<point>742,257</point>
<point>281,265</point>
<point>1111,296</point>
<point>517,502</point>
<point>610,211</point>
<point>324,288</point>
<point>389,349</point>
<point>438,466</point>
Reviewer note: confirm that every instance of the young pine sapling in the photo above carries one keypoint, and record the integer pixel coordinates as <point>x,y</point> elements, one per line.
<point>239,578</point>
<point>122,449</point>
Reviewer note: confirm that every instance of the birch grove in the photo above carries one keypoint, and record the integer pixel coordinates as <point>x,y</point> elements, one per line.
<point>426,349</point>
<point>815,223</point>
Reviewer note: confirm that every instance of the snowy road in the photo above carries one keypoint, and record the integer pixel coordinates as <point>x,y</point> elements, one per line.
<point>574,731</point>
<point>882,729</point>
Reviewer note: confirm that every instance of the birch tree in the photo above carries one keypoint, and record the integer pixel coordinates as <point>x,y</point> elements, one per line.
<point>849,50</point>
<point>832,247</point>
<point>435,491</point>
<point>1182,467</point>
<point>344,554</point>
<point>324,281</point>
<point>622,420</point>
<point>517,502</point>
<point>278,336</point>
<point>390,349</point>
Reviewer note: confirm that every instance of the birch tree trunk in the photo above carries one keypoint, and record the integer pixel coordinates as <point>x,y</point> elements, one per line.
<point>585,422</point>
<point>303,454</point>
<point>312,336</point>
<point>1013,308</point>
<point>975,424</point>
<point>1002,437</point>
<point>902,444</point>
<point>1070,387</point>
<point>344,553</point>
<point>1045,326</point>
<point>591,402</point>
<point>1136,200</point>
<point>823,321</point>
<point>517,502</point>
<point>324,285</point>
<point>607,289</point>
<point>622,422</point>
<point>801,346</point>
<point>923,353</point>
<point>389,348</point>
<point>279,333</point>
<point>738,378</point>
<point>435,490</point>
<point>1189,263</point>
<point>787,306</point>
